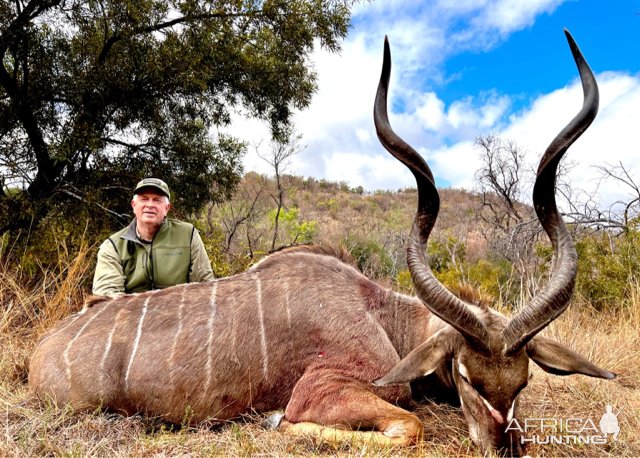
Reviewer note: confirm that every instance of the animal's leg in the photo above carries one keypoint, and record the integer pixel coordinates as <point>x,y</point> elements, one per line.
<point>340,410</point>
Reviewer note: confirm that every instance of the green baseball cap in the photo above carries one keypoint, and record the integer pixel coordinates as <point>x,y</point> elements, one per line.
<point>155,183</point>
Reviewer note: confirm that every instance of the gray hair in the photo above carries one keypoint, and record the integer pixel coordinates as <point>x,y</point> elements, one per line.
<point>135,197</point>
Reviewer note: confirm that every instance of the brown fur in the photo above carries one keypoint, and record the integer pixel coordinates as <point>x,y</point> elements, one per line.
<point>300,331</point>
<point>307,332</point>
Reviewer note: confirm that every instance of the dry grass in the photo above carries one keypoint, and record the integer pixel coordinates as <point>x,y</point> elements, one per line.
<point>29,428</point>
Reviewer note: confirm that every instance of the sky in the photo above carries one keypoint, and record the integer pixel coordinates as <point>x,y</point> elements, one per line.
<point>469,68</point>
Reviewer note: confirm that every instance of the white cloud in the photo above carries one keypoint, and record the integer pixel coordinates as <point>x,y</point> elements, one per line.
<point>510,15</point>
<point>455,165</point>
<point>609,140</point>
<point>354,167</point>
<point>432,112</point>
<point>338,126</point>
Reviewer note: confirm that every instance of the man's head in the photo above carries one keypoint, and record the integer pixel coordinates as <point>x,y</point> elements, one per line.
<point>150,202</point>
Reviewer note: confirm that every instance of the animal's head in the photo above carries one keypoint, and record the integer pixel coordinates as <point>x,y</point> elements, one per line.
<point>489,353</point>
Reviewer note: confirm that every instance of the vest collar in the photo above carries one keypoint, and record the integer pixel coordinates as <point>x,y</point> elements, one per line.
<point>131,233</point>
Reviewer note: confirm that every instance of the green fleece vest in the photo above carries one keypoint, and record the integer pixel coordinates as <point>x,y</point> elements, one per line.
<point>163,262</point>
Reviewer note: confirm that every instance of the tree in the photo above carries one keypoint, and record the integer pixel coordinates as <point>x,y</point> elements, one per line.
<point>239,218</point>
<point>514,230</point>
<point>501,175</point>
<point>623,214</point>
<point>96,94</point>
<point>279,158</point>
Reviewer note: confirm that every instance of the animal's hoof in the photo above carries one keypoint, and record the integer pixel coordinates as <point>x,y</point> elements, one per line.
<point>272,421</point>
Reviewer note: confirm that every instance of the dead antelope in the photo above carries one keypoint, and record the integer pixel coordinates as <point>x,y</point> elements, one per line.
<point>306,332</point>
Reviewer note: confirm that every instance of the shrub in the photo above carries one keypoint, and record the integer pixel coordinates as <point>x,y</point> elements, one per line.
<point>370,256</point>
<point>607,267</point>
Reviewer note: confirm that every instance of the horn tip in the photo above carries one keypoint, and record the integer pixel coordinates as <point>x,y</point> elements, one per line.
<point>572,42</point>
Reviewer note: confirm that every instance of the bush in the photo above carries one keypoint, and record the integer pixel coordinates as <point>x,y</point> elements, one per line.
<point>371,258</point>
<point>404,283</point>
<point>296,229</point>
<point>607,268</point>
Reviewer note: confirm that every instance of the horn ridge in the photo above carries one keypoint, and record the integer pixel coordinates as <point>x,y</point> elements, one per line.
<point>433,294</point>
<point>554,297</point>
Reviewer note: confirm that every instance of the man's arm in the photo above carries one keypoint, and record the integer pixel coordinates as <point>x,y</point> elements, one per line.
<point>200,269</point>
<point>108,279</point>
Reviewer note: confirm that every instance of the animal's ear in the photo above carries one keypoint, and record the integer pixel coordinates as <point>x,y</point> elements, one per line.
<point>422,361</point>
<point>557,359</point>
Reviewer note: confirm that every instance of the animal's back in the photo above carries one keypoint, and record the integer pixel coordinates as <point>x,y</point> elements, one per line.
<point>214,350</point>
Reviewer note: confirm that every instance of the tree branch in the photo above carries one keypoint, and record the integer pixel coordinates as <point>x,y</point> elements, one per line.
<point>119,216</point>
<point>166,25</point>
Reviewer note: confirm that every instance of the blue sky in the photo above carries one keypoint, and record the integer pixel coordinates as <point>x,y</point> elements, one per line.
<point>466,68</point>
<point>608,31</point>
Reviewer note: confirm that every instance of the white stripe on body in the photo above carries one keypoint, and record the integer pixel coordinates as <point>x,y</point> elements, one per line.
<point>288,310</point>
<point>65,354</point>
<point>107,348</point>
<point>286,305</point>
<point>263,334</point>
<point>212,315</point>
<point>462,369</point>
<point>75,318</point>
<point>174,345</point>
<point>136,342</point>
<point>234,329</point>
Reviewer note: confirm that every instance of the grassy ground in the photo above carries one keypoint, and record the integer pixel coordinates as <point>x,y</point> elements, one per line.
<point>29,428</point>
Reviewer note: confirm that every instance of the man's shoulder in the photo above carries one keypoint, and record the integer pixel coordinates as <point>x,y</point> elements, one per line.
<point>116,235</point>
<point>177,222</point>
<point>128,231</point>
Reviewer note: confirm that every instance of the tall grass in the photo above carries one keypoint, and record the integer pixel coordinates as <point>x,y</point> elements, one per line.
<point>31,428</point>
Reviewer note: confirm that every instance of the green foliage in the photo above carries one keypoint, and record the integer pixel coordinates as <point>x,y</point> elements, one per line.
<point>403,282</point>
<point>449,277</point>
<point>95,95</point>
<point>492,278</point>
<point>297,230</point>
<point>213,244</point>
<point>330,205</point>
<point>306,231</point>
<point>608,268</point>
<point>440,253</point>
<point>58,239</point>
<point>370,256</point>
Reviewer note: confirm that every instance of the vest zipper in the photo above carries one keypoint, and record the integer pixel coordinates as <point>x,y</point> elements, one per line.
<point>152,270</point>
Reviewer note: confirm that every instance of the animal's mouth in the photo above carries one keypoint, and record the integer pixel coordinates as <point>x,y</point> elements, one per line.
<point>487,429</point>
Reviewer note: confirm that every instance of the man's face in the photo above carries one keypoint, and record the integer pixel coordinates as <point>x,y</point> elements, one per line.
<point>150,207</point>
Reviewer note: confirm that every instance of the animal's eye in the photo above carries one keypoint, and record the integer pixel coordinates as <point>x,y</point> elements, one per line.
<point>462,371</point>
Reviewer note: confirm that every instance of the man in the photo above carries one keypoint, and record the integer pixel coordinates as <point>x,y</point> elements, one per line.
<point>153,251</point>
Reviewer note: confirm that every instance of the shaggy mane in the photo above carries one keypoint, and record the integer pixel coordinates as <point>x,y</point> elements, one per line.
<point>340,253</point>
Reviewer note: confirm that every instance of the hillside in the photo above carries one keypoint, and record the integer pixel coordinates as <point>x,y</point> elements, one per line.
<point>602,322</point>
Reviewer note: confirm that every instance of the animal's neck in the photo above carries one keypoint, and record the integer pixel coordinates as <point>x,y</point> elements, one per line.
<point>406,321</point>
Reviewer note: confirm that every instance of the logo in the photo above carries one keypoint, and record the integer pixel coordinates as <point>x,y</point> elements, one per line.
<point>567,431</point>
<point>609,423</point>
<point>172,253</point>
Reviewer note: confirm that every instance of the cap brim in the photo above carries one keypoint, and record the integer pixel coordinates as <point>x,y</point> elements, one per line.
<point>151,187</point>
